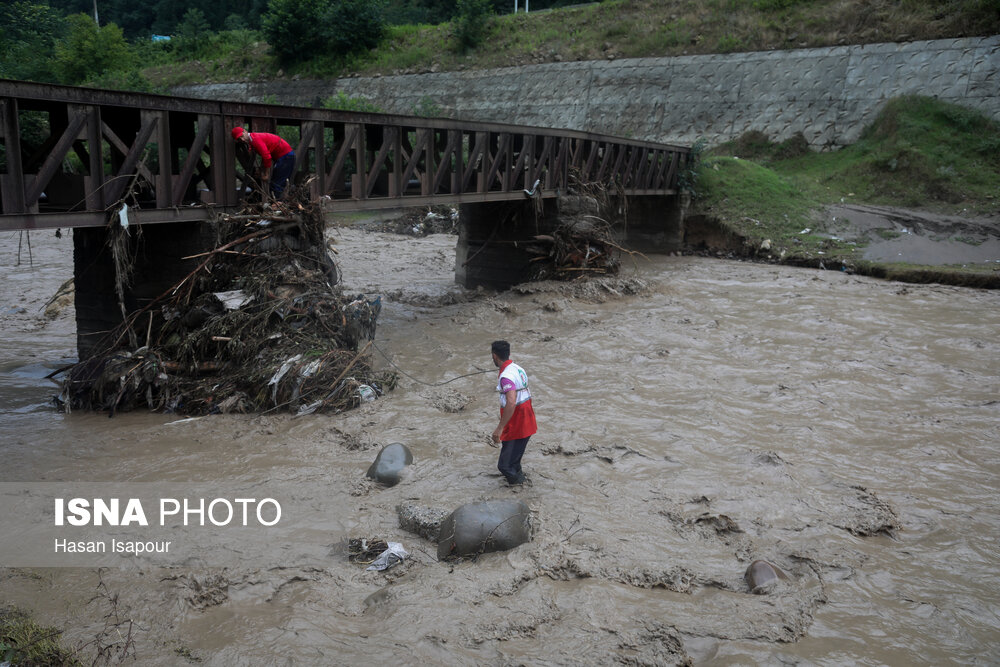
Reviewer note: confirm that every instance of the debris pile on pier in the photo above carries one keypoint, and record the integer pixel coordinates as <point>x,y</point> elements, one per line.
<point>259,325</point>
<point>574,250</point>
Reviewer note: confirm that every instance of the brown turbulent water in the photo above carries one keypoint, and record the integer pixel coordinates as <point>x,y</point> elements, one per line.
<point>843,428</point>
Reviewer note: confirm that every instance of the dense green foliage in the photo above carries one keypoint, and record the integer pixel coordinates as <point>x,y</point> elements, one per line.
<point>471,24</point>
<point>140,19</point>
<point>222,40</point>
<point>28,29</point>
<point>300,30</point>
<point>441,11</point>
<point>89,51</point>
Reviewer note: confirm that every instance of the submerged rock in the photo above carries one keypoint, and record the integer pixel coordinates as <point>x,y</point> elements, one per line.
<point>475,528</point>
<point>762,577</point>
<point>387,468</point>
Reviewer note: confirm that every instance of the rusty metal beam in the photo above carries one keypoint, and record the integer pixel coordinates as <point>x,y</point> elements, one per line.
<point>454,161</point>
<point>12,183</point>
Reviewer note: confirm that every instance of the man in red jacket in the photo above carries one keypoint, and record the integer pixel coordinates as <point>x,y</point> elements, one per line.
<point>276,153</point>
<point>517,418</point>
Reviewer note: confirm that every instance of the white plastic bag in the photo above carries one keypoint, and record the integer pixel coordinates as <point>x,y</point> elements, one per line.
<point>394,554</point>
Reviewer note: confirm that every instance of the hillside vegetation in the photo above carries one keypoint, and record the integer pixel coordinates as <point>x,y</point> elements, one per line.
<point>918,153</point>
<point>605,30</point>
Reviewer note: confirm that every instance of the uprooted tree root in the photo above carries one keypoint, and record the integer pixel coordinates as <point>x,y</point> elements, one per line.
<point>573,250</point>
<point>583,243</point>
<point>259,325</point>
<point>365,550</point>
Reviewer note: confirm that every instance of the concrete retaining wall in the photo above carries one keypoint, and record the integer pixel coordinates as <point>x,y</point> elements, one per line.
<point>827,94</point>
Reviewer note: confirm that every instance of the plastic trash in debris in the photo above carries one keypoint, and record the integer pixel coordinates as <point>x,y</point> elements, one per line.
<point>280,373</point>
<point>123,216</point>
<point>308,409</point>
<point>233,299</point>
<point>366,393</point>
<point>391,556</point>
<point>805,231</point>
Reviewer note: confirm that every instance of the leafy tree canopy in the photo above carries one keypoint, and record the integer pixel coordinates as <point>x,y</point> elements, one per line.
<point>300,30</point>
<point>27,31</point>
<point>89,50</point>
<point>140,19</point>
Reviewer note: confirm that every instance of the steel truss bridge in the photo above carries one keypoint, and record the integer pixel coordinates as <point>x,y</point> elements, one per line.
<point>69,157</point>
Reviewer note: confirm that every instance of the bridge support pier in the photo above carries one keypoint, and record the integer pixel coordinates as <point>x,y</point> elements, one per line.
<point>651,224</point>
<point>492,236</point>
<point>157,252</point>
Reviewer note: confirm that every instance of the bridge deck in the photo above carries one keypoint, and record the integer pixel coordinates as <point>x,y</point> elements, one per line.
<point>71,156</point>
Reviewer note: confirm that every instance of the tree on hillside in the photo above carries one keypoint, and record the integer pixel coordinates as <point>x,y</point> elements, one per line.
<point>89,50</point>
<point>472,23</point>
<point>27,31</point>
<point>191,32</point>
<point>300,30</point>
<point>442,11</point>
<point>140,19</point>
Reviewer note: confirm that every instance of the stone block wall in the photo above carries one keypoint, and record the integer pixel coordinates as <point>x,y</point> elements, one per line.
<point>827,94</point>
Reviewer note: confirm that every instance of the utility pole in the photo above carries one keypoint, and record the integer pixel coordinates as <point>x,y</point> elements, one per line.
<point>515,6</point>
<point>99,23</point>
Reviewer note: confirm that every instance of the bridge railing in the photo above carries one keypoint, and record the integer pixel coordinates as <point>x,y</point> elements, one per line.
<point>69,156</point>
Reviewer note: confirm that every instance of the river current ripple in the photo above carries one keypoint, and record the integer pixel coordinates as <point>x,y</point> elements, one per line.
<point>843,428</point>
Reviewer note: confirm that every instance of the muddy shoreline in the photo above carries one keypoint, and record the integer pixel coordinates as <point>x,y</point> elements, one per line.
<point>905,245</point>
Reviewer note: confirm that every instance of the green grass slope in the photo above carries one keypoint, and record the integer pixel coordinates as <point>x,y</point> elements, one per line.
<point>918,153</point>
<point>596,31</point>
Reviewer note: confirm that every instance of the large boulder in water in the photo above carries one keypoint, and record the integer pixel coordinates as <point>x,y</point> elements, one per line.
<point>387,467</point>
<point>475,528</point>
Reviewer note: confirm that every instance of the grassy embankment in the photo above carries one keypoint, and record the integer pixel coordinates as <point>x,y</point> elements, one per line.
<point>918,153</point>
<point>611,29</point>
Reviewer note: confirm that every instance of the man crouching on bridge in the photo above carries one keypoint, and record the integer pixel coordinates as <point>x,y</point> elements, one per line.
<point>276,153</point>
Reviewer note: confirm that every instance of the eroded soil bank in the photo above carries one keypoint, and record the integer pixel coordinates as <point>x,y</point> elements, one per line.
<point>695,415</point>
<point>907,245</point>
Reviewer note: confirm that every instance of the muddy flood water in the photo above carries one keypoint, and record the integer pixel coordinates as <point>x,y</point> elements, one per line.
<point>694,415</point>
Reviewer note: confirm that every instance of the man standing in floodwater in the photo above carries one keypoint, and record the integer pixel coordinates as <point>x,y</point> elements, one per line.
<point>277,156</point>
<point>517,418</point>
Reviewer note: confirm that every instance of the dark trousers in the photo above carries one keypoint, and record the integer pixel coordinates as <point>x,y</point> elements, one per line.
<point>280,172</point>
<point>509,464</point>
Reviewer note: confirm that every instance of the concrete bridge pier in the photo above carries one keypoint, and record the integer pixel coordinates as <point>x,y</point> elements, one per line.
<point>157,251</point>
<point>650,224</point>
<point>493,235</point>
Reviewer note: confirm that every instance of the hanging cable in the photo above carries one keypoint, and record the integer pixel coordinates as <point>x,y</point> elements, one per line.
<point>429,384</point>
